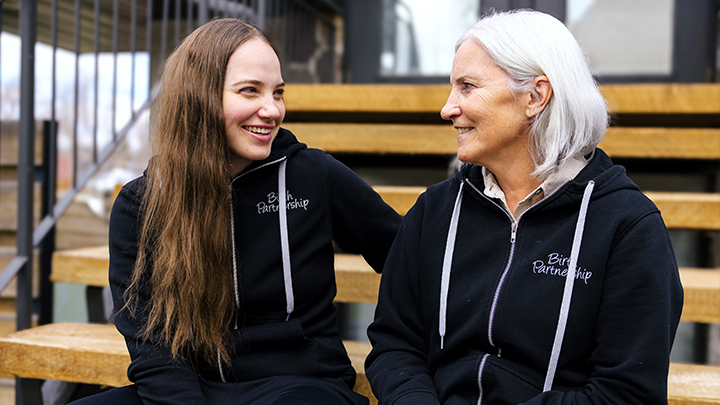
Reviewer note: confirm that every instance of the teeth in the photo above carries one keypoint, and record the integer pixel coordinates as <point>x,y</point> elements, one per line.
<point>463,130</point>
<point>258,130</point>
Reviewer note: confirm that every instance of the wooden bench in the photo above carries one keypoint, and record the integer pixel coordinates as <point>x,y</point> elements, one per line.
<point>373,121</point>
<point>96,353</point>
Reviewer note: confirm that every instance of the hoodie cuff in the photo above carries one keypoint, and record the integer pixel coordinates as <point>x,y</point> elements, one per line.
<point>418,398</point>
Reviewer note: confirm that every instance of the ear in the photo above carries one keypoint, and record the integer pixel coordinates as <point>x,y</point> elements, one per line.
<point>541,96</point>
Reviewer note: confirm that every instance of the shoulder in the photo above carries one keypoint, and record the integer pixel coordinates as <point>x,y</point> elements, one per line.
<point>436,199</point>
<point>129,199</point>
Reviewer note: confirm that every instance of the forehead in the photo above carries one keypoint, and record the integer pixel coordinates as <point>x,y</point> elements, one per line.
<point>471,60</point>
<point>252,58</point>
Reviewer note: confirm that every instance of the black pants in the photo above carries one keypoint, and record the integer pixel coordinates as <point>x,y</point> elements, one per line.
<point>282,390</point>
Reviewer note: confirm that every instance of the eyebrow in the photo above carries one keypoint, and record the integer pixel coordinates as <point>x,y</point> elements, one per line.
<point>254,82</point>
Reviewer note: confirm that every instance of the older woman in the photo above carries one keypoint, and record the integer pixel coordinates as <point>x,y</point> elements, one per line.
<point>539,274</point>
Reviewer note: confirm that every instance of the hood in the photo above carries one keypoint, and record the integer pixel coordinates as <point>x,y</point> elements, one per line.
<point>607,176</point>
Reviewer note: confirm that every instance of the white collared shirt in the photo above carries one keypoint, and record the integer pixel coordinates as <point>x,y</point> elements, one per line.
<point>565,173</point>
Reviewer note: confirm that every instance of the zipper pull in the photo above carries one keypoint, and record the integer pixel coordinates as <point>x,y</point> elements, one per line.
<point>513,232</point>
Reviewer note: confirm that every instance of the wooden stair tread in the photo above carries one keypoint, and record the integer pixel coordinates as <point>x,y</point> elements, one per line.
<point>702,295</point>
<point>90,353</point>
<point>435,139</point>
<point>688,210</point>
<point>652,98</point>
<point>693,384</point>
<point>97,354</point>
<point>357,282</point>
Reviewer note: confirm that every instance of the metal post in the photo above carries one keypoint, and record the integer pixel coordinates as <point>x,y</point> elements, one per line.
<point>26,391</point>
<point>47,246</point>
<point>261,15</point>
<point>26,160</point>
<point>203,15</point>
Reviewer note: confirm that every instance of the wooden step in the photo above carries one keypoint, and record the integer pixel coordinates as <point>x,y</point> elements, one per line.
<point>357,282</point>
<point>688,210</point>
<point>690,384</point>
<point>9,203</point>
<point>398,98</point>
<point>702,295</point>
<point>7,391</point>
<point>433,139</point>
<point>90,353</point>
<point>679,210</point>
<point>9,142</point>
<point>81,226</point>
<point>96,354</point>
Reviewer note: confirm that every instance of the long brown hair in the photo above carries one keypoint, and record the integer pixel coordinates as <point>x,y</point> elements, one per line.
<point>185,227</point>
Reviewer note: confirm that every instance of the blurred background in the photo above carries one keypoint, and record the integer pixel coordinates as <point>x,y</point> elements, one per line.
<point>87,70</point>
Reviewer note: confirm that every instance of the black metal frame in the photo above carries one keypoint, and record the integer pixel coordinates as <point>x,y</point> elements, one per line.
<point>694,41</point>
<point>42,237</point>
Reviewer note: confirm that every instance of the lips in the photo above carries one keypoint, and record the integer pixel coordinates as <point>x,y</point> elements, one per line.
<point>263,134</point>
<point>463,130</point>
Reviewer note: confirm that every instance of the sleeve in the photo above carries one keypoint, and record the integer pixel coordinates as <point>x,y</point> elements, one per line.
<point>362,222</point>
<point>637,320</point>
<point>397,365</point>
<point>160,378</point>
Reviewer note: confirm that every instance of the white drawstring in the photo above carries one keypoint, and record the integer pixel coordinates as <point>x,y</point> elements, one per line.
<point>447,265</point>
<point>234,264</point>
<point>567,293</point>
<point>284,243</point>
<point>222,375</point>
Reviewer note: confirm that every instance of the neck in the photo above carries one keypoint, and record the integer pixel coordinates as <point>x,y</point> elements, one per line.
<point>516,183</point>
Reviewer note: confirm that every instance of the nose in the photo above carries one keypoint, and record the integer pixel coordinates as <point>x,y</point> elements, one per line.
<point>451,108</point>
<point>272,109</point>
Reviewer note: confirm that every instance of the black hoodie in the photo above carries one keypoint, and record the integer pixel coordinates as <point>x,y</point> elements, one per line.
<point>505,285</point>
<point>285,318</point>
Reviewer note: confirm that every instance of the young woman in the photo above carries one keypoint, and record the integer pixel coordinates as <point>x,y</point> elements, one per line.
<point>221,254</point>
<point>540,274</point>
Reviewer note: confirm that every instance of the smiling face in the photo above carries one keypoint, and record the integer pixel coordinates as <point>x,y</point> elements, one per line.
<point>491,121</point>
<point>252,102</point>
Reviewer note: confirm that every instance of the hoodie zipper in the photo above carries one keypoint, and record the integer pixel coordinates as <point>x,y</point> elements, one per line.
<point>232,238</point>
<point>513,238</point>
<point>514,224</point>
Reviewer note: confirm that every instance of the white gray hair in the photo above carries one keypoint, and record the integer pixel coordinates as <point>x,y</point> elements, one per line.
<point>527,44</point>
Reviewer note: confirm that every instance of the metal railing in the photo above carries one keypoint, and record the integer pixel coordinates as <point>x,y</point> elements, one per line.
<point>111,33</point>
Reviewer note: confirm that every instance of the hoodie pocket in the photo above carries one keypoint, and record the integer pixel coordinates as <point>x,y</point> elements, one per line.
<point>506,382</point>
<point>274,349</point>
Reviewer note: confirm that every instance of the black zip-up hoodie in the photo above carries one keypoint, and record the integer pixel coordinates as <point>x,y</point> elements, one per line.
<point>482,328</point>
<point>285,318</point>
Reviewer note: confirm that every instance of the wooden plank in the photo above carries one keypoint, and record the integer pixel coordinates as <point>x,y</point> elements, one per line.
<point>90,353</point>
<point>88,266</point>
<point>358,351</point>
<point>377,138</point>
<point>669,143</point>
<point>702,98</point>
<point>688,210</point>
<point>96,354</point>
<point>401,198</point>
<point>10,142</point>
<point>691,384</point>
<point>673,98</point>
<point>358,282</point>
<point>409,139</point>
<point>702,295</point>
<point>366,98</point>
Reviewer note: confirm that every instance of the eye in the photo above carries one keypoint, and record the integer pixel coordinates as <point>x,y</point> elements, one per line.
<point>467,86</point>
<point>279,93</point>
<point>248,90</point>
